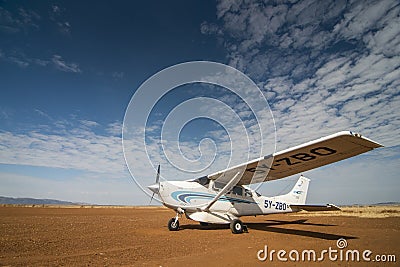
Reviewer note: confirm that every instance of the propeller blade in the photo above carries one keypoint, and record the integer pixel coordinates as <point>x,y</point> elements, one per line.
<point>151,199</point>
<point>151,187</point>
<point>158,174</point>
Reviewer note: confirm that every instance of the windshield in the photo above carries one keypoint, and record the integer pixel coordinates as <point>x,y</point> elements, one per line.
<point>203,180</point>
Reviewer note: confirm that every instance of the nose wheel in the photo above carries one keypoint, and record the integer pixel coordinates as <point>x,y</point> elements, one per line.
<point>173,224</point>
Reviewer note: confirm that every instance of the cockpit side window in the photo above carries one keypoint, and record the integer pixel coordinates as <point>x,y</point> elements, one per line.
<point>237,190</point>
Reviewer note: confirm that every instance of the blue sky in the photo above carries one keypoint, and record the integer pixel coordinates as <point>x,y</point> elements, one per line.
<point>68,71</point>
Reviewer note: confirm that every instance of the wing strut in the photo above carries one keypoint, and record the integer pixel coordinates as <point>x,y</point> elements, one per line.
<point>226,188</point>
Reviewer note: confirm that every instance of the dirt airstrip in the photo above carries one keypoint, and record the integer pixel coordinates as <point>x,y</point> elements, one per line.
<point>106,236</point>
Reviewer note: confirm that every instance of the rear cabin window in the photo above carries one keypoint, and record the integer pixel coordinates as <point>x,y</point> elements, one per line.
<point>218,186</point>
<point>237,190</point>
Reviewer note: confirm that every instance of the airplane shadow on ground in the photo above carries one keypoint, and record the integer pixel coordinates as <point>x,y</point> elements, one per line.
<point>209,227</point>
<point>270,226</point>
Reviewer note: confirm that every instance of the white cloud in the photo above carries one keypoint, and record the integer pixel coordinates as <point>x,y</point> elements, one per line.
<point>89,123</point>
<point>114,129</point>
<point>209,28</point>
<point>60,64</point>
<point>23,21</point>
<point>57,15</point>
<point>363,17</point>
<point>43,114</point>
<point>78,148</point>
<point>326,66</point>
<point>20,62</point>
<point>23,61</point>
<point>19,21</point>
<point>118,75</point>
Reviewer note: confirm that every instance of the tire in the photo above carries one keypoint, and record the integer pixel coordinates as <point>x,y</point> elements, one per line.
<point>237,226</point>
<point>203,223</point>
<point>172,226</point>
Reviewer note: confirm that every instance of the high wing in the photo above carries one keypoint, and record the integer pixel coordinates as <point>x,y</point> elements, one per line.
<point>311,155</point>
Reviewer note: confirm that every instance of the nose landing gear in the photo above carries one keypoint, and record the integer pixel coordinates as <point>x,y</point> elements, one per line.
<point>173,224</point>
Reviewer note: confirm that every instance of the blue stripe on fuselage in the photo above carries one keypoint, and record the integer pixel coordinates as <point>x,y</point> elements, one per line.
<point>187,196</point>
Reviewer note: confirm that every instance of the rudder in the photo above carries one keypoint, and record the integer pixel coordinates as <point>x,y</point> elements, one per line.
<point>298,194</point>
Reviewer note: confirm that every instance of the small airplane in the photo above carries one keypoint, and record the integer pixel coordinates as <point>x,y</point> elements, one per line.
<point>223,197</point>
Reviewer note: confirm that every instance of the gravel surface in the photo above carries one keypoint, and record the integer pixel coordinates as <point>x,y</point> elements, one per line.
<point>105,236</point>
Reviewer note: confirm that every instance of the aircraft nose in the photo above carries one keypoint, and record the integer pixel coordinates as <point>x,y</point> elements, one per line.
<point>154,188</point>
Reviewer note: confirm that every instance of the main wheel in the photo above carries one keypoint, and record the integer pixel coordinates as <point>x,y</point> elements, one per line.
<point>203,223</point>
<point>173,225</point>
<point>237,226</point>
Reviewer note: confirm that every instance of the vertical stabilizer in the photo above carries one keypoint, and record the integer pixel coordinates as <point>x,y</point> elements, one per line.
<point>298,194</point>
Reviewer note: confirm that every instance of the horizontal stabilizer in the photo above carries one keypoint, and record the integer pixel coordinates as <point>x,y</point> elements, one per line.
<point>327,207</point>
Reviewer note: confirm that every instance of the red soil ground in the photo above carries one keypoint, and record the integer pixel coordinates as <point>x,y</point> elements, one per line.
<point>139,236</point>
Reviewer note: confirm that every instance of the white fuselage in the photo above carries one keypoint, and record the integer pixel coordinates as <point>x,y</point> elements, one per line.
<point>191,196</point>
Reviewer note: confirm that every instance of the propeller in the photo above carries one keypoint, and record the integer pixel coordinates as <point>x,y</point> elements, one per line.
<point>155,187</point>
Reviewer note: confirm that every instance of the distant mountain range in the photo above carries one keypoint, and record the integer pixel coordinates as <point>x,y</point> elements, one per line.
<point>35,201</point>
<point>386,204</point>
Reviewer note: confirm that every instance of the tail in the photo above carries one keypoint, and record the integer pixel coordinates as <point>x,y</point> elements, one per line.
<point>298,194</point>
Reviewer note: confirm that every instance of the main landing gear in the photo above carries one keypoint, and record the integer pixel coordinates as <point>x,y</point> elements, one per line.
<point>237,227</point>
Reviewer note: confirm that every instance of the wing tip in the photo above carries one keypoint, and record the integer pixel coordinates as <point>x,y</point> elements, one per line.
<point>358,135</point>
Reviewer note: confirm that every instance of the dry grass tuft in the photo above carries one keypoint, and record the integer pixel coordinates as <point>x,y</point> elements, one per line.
<point>359,211</point>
